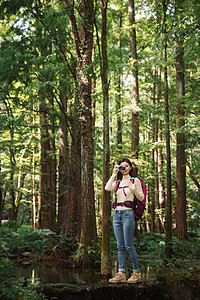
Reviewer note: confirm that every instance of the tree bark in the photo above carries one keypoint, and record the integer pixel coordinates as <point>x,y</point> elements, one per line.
<point>168,247</point>
<point>181,225</point>
<point>2,198</point>
<point>83,42</point>
<point>63,205</point>
<point>12,214</point>
<point>1,204</point>
<point>134,82</point>
<point>118,96</point>
<point>47,183</point>
<point>44,208</point>
<point>160,159</point>
<point>106,207</point>
<point>153,180</point>
<point>76,166</point>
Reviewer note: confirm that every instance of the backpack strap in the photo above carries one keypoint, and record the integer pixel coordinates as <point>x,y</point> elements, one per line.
<point>117,184</point>
<point>144,189</point>
<point>123,187</point>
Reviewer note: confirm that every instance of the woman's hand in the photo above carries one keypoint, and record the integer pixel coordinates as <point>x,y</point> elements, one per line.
<point>131,185</point>
<point>115,170</point>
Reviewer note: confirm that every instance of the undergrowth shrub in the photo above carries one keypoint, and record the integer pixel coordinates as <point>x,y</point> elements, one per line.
<point>186,249</point>
<point>150,244</point>
<point>90,256</point>
<point>13,238</point>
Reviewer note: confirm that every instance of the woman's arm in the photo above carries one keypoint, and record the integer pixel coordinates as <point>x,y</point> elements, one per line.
<point>111,184</point>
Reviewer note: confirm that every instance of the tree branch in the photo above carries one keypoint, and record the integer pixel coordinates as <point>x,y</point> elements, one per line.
<point>74,29</point>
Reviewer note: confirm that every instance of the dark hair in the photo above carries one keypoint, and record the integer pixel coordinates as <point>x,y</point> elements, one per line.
<point>132,171</point>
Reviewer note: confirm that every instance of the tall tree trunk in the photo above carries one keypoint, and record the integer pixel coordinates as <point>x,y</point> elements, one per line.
<point>153,181</point>
<point>12,209</point>
<point>106,207</point>
<point>1,204</point>
<point>47,192</point>
<point>93,89</point>
<point>160,160</point>
<point>47,181</point>
<point>44,208</point>
<point>146,215</point>
<point>134,82</point>
<point>83,42</point>
<point>33,205</point>
<point>12,212</point>
<point>75,177</point>
<point>33,201</point>
<point>118,95</point>
<point>168,247</point>
<point>63,207</point>
<point>1,198</point>
<point>181,225</point>
<point>53,171</point>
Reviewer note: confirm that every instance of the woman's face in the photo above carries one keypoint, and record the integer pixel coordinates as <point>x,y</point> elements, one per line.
<point>128,168</point>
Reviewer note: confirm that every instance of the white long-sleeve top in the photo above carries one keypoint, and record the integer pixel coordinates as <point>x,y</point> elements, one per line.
<point>134,189</point>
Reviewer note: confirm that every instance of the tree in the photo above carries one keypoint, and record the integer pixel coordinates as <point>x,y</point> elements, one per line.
<point>134,81</point>
<point>161,188</point>
<point>153,161</point>
<point>45,72</point>
<point>181,226</point>
<point>83,43</point>
<point>106,207</point>
<point>63,208</point>
<point>118,88</point>
<point>167,133</point>
<point>47,193</point>
<point>47,212</point>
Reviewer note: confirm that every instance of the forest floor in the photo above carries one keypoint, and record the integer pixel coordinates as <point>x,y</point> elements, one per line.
<point>160,279</point>
<point>31,258</point>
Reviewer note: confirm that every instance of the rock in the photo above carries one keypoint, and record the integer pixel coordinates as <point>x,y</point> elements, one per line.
<point>148,289</point>
<point>24,249</point>
<point>27,254</point>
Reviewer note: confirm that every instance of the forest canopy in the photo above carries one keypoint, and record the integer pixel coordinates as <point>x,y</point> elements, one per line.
<point>84,83</point>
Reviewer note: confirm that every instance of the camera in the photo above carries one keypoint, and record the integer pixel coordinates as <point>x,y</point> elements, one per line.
<point>122,167</point>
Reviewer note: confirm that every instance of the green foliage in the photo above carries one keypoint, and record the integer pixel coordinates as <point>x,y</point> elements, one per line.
<point>193,213</point>
<point>150,244</point>
<point>186,249</point>
<point>153,245</point>
<point>90,256</point>
<point>12,288</point>
<point>63,247</point>
<point>15,238</point>
<point>37,56</point>
<point>175,277</point>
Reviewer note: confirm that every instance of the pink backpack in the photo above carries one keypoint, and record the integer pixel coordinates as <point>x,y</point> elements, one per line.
<point>137,205</point>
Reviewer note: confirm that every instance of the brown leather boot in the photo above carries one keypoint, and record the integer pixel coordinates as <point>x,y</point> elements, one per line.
<point>135,277</point>
<point>120,277</point>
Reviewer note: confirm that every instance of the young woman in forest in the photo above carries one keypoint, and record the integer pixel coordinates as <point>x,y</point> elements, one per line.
<point>123,218</point>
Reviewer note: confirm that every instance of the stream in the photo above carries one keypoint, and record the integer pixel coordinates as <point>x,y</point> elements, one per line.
<point>64,282</point>
<point>39,273</point>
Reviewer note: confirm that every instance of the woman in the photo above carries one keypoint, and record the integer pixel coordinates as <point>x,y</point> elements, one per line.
<point>123,218</point>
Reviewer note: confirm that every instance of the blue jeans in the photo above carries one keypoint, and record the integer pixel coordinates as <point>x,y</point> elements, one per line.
<point>124,226</point>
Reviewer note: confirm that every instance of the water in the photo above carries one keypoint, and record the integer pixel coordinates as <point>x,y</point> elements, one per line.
<point>38,273</point>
